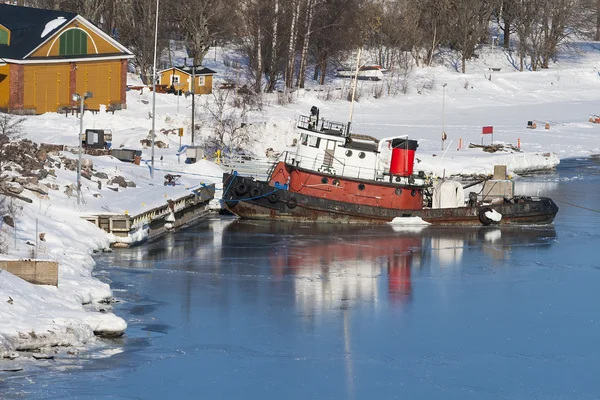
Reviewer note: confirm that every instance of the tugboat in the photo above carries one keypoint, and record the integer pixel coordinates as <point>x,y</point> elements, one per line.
<point>336,176</point>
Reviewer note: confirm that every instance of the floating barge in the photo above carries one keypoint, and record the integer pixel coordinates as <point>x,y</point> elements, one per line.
<point>129,230</point>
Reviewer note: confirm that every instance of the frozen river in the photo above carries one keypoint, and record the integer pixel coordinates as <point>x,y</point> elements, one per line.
<point>232,309</point>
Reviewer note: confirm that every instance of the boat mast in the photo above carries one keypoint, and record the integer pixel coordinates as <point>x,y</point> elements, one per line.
<point>354,81</point>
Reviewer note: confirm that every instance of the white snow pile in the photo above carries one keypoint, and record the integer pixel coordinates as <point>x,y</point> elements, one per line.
<point>408,221</point>
<point>52,25</point>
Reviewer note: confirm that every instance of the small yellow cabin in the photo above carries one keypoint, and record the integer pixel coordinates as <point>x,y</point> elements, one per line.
<point>181,78</point>
<point>47,56</point>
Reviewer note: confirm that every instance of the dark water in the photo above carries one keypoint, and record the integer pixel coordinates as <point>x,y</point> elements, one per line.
<point>232,309</point>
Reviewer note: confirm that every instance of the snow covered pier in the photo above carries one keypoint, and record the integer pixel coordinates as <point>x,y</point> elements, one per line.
<point>128,230</point>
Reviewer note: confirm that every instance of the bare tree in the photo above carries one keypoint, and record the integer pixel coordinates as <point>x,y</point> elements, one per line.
<point>471,21</point>
<point>337,30</point>
<point>201,23</point>
<point>136,26</point>
<point>558,18</point>
<point>226,118</point>
<point>293,39</point>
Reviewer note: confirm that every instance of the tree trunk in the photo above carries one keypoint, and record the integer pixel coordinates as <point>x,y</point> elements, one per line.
<point>273,63</point>
<point>323,68</point>
<point>305,42</point>
<point>597,38</point>
<point>259,61</point>
<point>291,66</point>
<point>507,24</point>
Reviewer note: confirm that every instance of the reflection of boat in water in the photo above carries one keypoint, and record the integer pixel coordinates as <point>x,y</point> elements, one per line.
<point>333,264</point>
<point>339,177</point>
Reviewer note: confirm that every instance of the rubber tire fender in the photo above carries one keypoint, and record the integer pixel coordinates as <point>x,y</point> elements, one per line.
<point>292,202</point>
<point>273,198</point>
<point>255,192</point>
<point>483,218</point>
<point>241,189</point>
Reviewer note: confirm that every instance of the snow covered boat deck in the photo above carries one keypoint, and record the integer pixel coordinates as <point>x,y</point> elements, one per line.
<point>128,230</point>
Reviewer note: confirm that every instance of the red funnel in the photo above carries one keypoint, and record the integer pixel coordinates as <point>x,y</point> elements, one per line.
<point>403,157</point>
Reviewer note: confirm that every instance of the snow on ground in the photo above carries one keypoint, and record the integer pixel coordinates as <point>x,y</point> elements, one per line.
<point>562,97</point>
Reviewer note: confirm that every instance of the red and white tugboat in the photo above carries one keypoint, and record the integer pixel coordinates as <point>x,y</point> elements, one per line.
<point>335,176</point>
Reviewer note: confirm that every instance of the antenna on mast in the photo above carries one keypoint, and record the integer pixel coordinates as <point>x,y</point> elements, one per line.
<point>354,81</point>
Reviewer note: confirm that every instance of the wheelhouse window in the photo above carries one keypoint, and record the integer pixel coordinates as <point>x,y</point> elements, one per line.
<point>314,141</point>
<point>4,36</point>
<point>73,42</point>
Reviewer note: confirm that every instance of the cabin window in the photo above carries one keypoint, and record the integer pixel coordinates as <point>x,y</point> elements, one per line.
<point>304,139</point>
<point>331,145</point>
<point>398,191</point>
<point>73,42</point>
<point>361,186</point>
<point>336,182</point>
<point>324,180</point>
<point>4,36</point>
<point>361,154</point>
<point>314,141</point>
<point>413,193</point>
<point>348,153</point>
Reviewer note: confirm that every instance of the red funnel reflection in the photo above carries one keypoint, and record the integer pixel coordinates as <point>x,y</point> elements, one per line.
<point>399,275</point>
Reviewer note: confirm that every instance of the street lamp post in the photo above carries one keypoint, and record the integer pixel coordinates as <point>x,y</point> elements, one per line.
<point>154,92</point>
<point>443,104</point>
<point>81,100</point>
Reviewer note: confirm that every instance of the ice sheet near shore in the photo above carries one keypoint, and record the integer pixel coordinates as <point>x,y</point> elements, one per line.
<point>563,97</point>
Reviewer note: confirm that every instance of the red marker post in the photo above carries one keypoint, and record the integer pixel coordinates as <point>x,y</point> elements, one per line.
<point>487,130</point>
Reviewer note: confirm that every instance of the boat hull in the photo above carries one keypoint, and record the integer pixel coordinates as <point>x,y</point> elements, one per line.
<point>265,202</point>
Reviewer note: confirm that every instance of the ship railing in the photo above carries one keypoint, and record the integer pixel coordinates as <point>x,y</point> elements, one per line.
<point>256,167</point>
<point>333,166</point>
<point>312,124</point>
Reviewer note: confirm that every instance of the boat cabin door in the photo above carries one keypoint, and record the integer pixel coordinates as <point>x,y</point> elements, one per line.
<point>329,152</point>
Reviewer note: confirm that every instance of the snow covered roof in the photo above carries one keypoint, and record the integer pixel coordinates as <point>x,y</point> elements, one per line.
<point>30,28</point>
<point>187,69</point>
<point>27,26</point>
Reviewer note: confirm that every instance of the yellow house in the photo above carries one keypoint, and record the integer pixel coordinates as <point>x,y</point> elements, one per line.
<point>46,56</point>
<point>181,78</point>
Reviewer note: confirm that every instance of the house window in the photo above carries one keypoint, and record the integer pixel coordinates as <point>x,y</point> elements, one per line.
<point>73,42</point>
<point>201,81</point>
<point>175,80</point>
<point>4,36</point>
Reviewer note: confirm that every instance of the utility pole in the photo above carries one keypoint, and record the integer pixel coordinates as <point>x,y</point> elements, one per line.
<point>193,99</point>
<point>154,93</point>
<point>443,104</point>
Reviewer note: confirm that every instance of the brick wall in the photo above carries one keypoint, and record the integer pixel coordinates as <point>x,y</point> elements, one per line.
<point>15,95</point>
<point>72,82</point>
<point>124,84</point>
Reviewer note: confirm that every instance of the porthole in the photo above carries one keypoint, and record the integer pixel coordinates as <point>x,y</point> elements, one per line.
<point>336,182</point>
<point>398,191</point>
<point>413,193</point>
<point>348,153</point>
<point>324,180</point>
<point>361,186</point>
<point>361,154</point>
